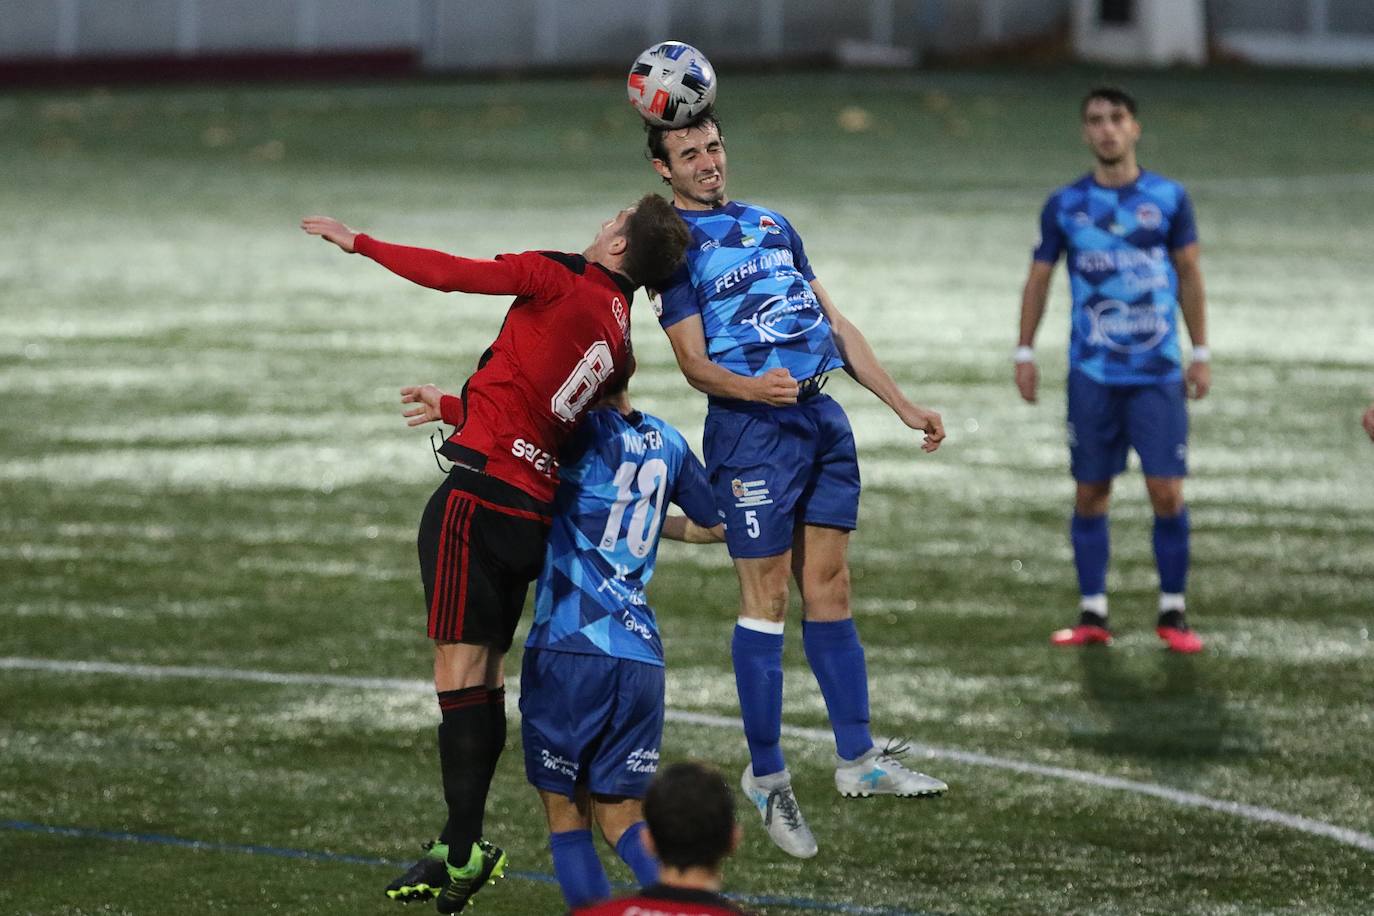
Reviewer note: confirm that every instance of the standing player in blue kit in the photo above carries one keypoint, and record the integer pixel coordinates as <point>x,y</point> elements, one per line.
<point>1130,242</point>
<point>755,331</point>
<point>591,685</point>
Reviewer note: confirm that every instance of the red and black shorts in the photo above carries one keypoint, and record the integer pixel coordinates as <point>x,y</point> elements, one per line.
<point>481,545</point>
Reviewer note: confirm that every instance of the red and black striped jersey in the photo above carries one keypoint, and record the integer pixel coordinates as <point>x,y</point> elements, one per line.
<point>565,336</point>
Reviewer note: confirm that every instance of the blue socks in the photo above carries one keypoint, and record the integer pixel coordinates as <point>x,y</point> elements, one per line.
<point>579,872</point>
<point>631,850</point>
<point>1091,549</point>
<point>837,659</point>
<point>1171,552</point>
<point>580,875</point>
<point>758,680</point>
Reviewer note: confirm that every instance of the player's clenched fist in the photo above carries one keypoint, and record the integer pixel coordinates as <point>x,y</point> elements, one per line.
<point>427,398</point>
<point>776,387</point>
<point>331,230</point>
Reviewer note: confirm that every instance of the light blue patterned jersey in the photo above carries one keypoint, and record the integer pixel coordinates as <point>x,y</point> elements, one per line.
<point>748,278</point>
<point>617,476</point>
<point>1124,326</point>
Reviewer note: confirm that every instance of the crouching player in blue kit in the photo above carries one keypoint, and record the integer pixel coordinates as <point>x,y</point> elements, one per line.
<point>754,330</point>
<point>591,687</point>
<point>1131,245</point>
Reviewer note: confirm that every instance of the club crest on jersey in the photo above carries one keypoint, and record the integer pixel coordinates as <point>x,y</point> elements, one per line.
<point>1148,216</point>
<point>769,225</point>
<point>708,245</point>
<point>749,493</point>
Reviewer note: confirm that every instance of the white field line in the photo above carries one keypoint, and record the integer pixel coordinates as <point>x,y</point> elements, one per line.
<point>815,735</point>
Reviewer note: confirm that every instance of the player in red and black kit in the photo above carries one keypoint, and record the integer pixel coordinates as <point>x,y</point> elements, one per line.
<point>689,815</point>
<point>482,534</point>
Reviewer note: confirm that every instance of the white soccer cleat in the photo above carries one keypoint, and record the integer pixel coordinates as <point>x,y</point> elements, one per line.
<point>772,795</point>
<point>880,772</point>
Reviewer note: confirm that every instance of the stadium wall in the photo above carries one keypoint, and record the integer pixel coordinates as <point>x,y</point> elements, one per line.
<point>308,37</point>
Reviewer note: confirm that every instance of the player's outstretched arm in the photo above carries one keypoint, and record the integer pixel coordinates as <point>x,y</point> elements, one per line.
<point>1192,299</point>
<point>429,268</point>
<point>862,363</point>
<point>681,528</point>
<point>776,386</point>
<point>1034,295</point>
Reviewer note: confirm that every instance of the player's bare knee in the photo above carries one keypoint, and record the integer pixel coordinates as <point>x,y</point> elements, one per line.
<point>1166,495</point>
<point>1093,499</point>
<point>459,665</point>
<point>826,593</point>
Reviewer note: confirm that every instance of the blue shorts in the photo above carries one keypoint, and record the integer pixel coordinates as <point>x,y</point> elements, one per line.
<point>1107,420</point>
<point>772,467</point>
<point>590,720</point>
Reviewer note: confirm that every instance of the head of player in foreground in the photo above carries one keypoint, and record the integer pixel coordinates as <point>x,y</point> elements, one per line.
<point>691,161</point>
<point>690,813</point>
<point>1110,128</point>
<point>645,242</point>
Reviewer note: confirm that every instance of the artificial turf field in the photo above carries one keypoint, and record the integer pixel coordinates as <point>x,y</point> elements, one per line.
<point>202,466</point>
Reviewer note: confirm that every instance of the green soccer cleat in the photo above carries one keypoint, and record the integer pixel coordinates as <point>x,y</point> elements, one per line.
<point>485,864</point>
<point>423,880</point>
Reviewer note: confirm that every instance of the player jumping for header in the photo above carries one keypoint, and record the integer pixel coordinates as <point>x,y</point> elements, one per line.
<point>753,328</point>
<point>1131,246</point>
<point>482,535</point>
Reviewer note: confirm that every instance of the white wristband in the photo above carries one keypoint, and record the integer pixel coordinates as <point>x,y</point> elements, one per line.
<point>1202,354</point>
<point>1027,355</point>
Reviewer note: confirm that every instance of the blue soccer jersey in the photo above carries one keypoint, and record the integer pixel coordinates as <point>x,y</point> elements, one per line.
<point>748,278</point>
<point>617,476</point>
<point>1124,327</point>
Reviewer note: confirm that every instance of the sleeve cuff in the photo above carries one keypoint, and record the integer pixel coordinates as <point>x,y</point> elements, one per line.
<point>362,244</point>
<point>451,410</point>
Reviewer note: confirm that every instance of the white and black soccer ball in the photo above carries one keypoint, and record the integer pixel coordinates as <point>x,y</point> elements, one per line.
<point>671,83</point>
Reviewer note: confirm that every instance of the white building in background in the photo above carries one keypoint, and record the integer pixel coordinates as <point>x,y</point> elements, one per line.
<point>481,35</point>
<point>1157,33</point>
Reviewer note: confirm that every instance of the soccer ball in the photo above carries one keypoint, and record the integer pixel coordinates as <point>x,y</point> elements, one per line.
<point>671,83</point>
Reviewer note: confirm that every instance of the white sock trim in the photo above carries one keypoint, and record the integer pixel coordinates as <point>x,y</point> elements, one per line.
<point>1097,604</point>
<point>761,626</point>
<point>1170,601</point>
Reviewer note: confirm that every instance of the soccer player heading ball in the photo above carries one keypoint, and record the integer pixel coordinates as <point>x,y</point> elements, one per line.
<point>1130,242</point>
<point>754,330</point>
<point>482,536</point>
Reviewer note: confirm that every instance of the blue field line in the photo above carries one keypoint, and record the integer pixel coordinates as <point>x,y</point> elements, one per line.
<point>281,852</point>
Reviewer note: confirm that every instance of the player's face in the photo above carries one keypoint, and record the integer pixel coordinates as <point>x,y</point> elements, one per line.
<point>1110,130</point>
<point>610,238</point>
<point>695,168</point>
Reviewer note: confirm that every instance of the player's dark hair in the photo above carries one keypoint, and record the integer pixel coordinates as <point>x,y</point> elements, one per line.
<point>1114,94</point>
<point>653,139</point>
<point>655,242</point>
<point>620,382</point>
<point>691,816</point>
